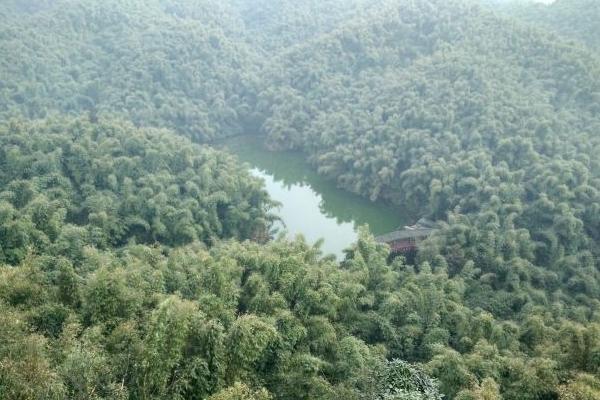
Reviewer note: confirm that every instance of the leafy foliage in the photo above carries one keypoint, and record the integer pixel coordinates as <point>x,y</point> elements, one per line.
<point>573,19</point>
<point>67,185</point>
<point>136,264</point>
<point>155,63</point>
<point>276,25</point>
<point>239,321</point>
<point>399,380</point>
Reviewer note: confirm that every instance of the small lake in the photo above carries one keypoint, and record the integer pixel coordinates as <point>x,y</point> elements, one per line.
<point>310,204</point>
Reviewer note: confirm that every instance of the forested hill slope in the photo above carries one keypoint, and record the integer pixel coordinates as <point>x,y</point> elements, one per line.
<point>379,103</point>
<point>274,25</point>
<point>69,184</point>
<point>132,261</point>
<point>156,63</point>
<point>114,283</point>
<point>575,19</point>
<point>106,289</point>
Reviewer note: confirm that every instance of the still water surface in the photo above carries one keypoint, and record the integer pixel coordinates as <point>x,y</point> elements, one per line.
<point>310,204</point>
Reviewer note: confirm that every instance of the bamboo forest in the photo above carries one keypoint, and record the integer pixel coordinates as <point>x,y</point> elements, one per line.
<point>300,199</point>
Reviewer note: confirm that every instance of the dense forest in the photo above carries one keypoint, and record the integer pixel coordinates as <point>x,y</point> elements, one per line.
<point>137,262</point>
<point>573,19</point>
<point>139,60</point>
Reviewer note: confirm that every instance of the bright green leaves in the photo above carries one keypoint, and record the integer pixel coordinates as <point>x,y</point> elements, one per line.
<point>247,342</point>
<point>114,184</point>
<point>86,368</point>
<point>487,390</point>
<point>26,372</point>
<point>240,391</point>
<point>581,387</point>
<point>164,346</point>
<point>398,380</point>
<point>109,298</point>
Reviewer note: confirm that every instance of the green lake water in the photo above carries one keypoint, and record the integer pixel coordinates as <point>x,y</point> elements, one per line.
<point>310,204</point>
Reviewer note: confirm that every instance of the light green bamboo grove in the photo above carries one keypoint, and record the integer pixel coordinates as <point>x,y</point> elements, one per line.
<point>136,263</point>
<point>68,184</point>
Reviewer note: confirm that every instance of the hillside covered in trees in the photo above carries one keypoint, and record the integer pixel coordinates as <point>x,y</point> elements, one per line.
<point>136,262</point>
<point>157,63</point>
<point>573,19</point>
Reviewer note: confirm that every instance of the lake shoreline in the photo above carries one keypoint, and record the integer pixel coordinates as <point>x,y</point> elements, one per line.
<point>312,205</point>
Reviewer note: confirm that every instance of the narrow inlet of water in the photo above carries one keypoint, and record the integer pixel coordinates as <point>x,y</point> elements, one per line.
<point>310,204</point>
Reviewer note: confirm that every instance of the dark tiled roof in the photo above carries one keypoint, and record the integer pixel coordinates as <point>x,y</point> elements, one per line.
<point>405,234</point>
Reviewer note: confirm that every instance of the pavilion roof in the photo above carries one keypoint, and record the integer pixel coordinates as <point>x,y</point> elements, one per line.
<point>405,234</point>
